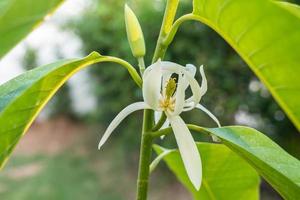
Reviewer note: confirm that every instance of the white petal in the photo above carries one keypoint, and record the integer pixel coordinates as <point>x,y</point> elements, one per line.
<point>197,91</point>
<point>201,107</point>
<point>212,116</point>
<point>188,150</point>
<point>152,85</point>
<point>180,96</point>
<point>120,117</point>
<point>188,106</point>
<point>203,82</point>
<point>150,68</point>
<point>192,70</point>
<point>172,67</point>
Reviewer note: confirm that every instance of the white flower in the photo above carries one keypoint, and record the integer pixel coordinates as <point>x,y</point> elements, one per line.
<point>162,94</point>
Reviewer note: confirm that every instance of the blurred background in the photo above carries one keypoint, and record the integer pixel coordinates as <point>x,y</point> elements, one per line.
<point>58,157</point>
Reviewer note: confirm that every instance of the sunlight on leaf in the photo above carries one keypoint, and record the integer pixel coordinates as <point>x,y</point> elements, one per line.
<point>266,35</point>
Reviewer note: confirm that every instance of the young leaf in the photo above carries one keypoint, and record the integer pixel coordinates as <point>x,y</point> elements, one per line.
<point>266,35</point>
<point>279,168</point>
<point>225,175</point>
<point>19,17</point>
<point>22,98</point>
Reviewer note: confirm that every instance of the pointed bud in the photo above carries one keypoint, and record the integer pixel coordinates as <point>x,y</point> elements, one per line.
<point>134,33</point>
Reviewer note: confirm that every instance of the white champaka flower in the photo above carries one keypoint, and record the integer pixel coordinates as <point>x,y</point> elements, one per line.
<point>163,93</point>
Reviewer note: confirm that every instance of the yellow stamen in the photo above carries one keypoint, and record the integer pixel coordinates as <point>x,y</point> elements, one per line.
<point>170,87</point>
<point>168,102</point>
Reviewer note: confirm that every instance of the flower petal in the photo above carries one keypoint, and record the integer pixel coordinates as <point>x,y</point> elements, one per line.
<point>172,67</point>
<point>192,70</point>
<point>203,82</point>
<point>188,150</point>
<point>150,68</point>
<point>212,116</point>
<point>152,85</point>
<point>197,91</point>
<point>119,118</point>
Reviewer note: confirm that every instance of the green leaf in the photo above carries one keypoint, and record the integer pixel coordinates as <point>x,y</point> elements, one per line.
<point>225,175</point>
<point>22,98</point>
<point>274,164</point>
<point>266,34</point>
<point>19,17</point>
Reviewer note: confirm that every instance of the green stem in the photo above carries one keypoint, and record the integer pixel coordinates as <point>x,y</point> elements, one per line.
<point>188,17</point>
<point>141,65</point>
<point>133,73</point>
<point>147,138</point>
<point>160,122</point>
<point>145,157</point>
<point>169,130</point>
<point>166,26</point>
<point>161,132</point>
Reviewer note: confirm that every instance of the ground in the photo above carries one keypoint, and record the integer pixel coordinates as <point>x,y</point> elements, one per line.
<point>58,159</point>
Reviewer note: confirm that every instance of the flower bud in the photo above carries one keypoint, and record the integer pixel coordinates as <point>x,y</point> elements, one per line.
<point>134,33</point>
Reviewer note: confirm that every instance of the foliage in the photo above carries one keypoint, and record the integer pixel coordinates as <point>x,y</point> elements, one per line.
<point>220,167</point>
<point>23,97</point>
<point>274,164</point>
<point>61,104</point>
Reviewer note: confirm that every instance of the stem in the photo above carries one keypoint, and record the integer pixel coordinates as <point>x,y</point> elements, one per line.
<point>166,26</point>
<point>141,65</point>
<point>160,122</point>
<point>161,132</point>
<point>147,138</point>
<point>133,73</point>
<point>145,157</point>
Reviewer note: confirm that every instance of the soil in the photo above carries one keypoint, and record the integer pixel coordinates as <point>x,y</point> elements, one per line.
<point>59,133</point>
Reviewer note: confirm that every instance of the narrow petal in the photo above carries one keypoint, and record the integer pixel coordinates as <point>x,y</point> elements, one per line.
<point>192,70</point>
<point>172,67</point>
<point>188,150</point>
<point>212,116</point>
<point>119,118</point>
<point>203,82</point>
<point>152,85</point>
<point>197,91</point>
<point>188,106</point>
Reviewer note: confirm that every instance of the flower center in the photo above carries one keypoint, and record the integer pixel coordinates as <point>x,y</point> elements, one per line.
<point>168,102</point>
